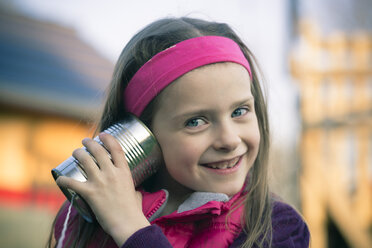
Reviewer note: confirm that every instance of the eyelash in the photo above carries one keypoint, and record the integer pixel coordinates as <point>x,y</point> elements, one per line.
<point>193,119</point>
<point>198,119</point>
<point>246,109</point>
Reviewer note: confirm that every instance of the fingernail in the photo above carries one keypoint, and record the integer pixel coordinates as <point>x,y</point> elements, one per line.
<point>58,180</point>
<point>84,140</point>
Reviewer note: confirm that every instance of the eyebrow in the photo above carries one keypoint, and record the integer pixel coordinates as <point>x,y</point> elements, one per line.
<point>205,111</point>
<point>239,103</point>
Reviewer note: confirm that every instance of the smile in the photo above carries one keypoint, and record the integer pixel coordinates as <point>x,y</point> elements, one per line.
<point>223,165</point>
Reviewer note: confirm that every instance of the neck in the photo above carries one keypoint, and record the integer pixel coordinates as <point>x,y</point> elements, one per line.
<point>177,192</point>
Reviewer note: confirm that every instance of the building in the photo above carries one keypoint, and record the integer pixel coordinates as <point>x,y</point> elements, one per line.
<point>52,86</point>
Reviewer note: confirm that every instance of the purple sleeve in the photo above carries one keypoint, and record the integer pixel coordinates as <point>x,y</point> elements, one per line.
<point>148,237</point>
<point>289,229</point>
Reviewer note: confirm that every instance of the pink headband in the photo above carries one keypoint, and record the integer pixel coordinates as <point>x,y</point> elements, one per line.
<point>170,64</point>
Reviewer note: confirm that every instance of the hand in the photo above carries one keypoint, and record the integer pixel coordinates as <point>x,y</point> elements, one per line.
<point>109,189</point>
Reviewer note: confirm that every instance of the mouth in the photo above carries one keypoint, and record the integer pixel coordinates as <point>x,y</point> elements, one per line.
<point>224,165</point>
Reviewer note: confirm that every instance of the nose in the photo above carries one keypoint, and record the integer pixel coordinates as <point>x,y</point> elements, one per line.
<point>226,136</point>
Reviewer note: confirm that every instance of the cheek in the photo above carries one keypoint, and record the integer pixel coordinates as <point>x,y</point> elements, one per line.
<point>254,138</point>
<point>179,153</point>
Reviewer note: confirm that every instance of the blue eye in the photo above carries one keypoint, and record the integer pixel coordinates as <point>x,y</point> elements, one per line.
<point>239,112</point>
<point>195,122</point>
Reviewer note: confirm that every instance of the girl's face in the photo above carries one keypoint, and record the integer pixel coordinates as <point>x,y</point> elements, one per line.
<point>206,125</point>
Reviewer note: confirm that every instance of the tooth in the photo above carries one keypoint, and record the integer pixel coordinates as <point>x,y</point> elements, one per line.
<point>233,163</point>
<point>224,165</point>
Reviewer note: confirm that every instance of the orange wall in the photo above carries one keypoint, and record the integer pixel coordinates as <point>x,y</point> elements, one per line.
<point>31,146</point>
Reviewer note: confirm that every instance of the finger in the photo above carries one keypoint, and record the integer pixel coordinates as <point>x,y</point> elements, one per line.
<point>98,152</point>
<point>116,151</point>
<point>86,162</point>
<point>70,183</point>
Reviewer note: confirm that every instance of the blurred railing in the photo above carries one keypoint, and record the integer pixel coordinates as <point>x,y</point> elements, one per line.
<point>334,75</point>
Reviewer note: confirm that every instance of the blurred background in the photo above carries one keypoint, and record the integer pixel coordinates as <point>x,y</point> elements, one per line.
<point>56,60</point>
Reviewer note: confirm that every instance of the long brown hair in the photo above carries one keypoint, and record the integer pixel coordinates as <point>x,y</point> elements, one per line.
<point>154,38</point>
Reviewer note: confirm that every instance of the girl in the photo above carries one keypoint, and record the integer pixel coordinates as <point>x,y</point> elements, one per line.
<point>195,85</point>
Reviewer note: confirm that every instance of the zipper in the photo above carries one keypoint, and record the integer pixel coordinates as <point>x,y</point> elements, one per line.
<point>155,212</point>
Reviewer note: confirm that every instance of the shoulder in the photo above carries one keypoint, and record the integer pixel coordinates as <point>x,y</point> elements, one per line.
<point>289,228</point>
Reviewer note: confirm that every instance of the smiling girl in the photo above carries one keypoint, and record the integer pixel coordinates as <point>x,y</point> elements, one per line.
<point>195,85</point>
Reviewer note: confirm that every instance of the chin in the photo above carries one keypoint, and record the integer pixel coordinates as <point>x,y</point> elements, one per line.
<point>230,190</point>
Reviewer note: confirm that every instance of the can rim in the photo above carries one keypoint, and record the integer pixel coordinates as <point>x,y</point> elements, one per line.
<point>145,127</point>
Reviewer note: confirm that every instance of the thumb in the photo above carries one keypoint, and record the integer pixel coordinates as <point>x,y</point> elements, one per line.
<point>70,183</point>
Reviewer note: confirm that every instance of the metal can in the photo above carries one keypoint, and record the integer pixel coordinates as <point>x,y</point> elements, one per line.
<point>142,152</point>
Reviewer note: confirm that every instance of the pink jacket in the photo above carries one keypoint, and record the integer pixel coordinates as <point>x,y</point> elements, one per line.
<point>208,225</point>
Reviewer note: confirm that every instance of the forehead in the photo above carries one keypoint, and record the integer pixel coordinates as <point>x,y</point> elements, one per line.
<point>206,85</point>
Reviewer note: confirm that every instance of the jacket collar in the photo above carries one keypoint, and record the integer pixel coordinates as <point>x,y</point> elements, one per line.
<point>198,204</point>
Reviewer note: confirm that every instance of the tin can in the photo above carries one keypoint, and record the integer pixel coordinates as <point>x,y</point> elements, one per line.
<point>141,150</point>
